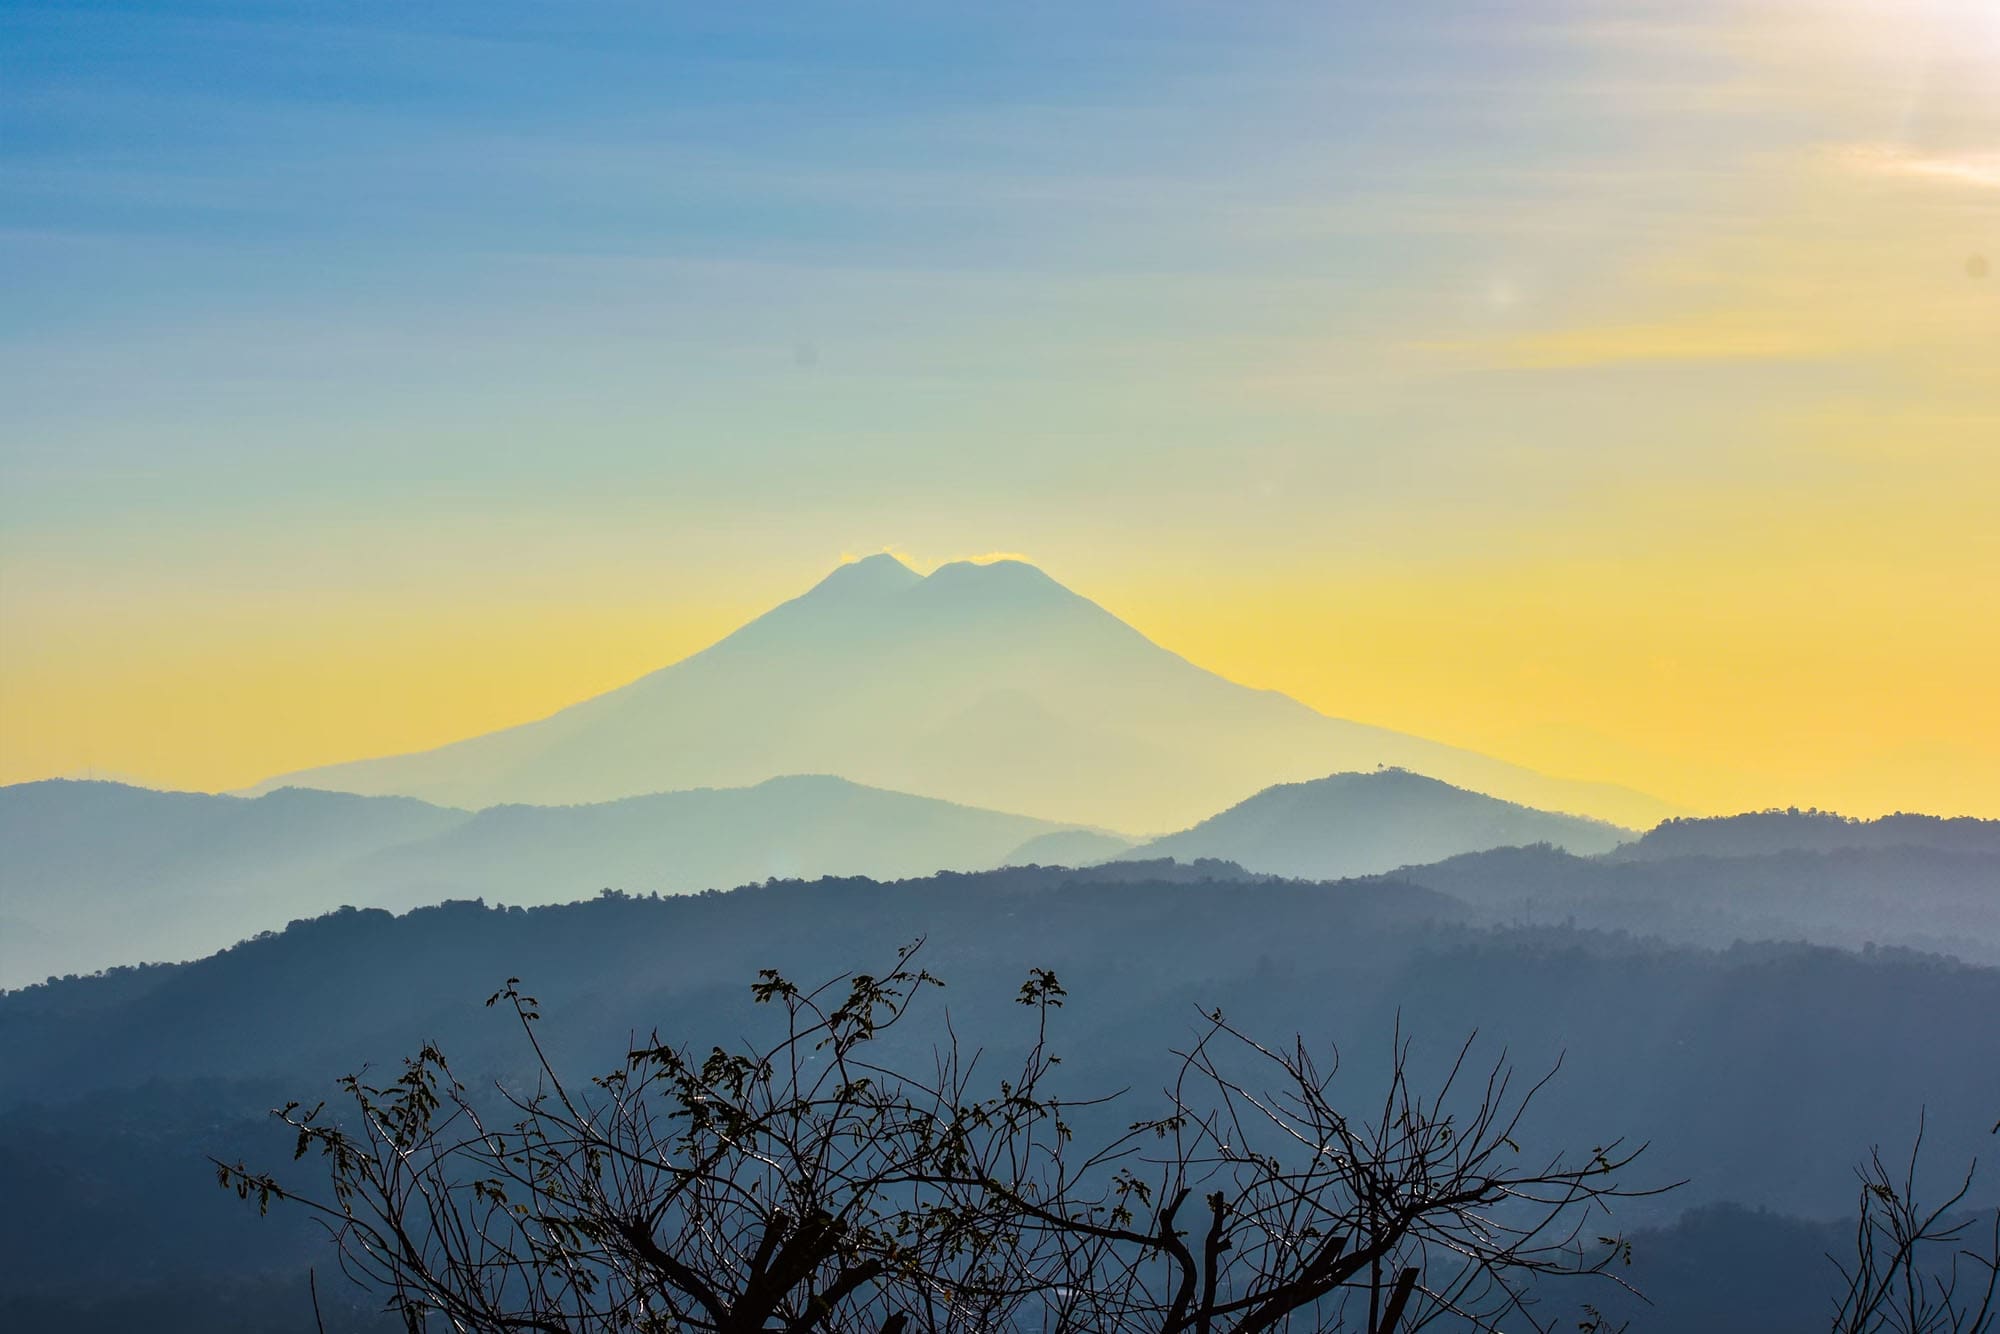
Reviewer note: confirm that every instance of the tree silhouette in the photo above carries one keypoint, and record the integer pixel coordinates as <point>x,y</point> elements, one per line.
<point>816,1184</point>
<point>1915,1269</point>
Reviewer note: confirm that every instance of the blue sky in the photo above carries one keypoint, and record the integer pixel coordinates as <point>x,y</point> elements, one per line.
<point>387,232</point>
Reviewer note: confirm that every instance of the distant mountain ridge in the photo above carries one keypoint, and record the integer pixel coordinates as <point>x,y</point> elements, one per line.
<point>1756,833</point>
<point>1353,824</point>
<point>990,685</point>
<point>93,874</point>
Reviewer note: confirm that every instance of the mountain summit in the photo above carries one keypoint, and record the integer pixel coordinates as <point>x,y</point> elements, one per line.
<point>870,576</point>
<point>986,684</point>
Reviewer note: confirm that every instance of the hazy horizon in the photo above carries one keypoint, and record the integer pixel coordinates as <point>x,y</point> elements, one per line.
<point>267,780</point>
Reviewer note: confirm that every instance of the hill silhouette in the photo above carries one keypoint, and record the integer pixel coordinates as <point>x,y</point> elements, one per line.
<point>991,685</point>
<point>93,874</point>
<point>1070,847</point>
<point>1362,823</point>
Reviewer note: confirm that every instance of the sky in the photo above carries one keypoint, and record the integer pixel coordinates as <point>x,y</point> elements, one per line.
<point>1613,387</point>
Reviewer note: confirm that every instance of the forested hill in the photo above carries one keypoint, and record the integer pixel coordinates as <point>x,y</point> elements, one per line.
<point>1759,833</point>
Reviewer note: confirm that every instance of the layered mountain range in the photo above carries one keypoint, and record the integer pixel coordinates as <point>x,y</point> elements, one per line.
<point>983,760</point>
<point>893,725</point>
<point>94,874</point>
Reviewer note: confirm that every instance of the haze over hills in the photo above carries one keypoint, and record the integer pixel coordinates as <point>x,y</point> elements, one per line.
<point>94,874</point>
<point>787,828</point>
<point>1359,824</point>
<point>1658,1031</point>
<point>991,685</point>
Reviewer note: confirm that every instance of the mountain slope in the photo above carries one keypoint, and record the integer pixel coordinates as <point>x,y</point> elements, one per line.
<point>989,685</point>
<point>93,874</point>
<point>1364,823</point>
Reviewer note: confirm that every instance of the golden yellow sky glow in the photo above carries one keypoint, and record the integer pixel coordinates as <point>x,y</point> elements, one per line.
<point>1706,503</point>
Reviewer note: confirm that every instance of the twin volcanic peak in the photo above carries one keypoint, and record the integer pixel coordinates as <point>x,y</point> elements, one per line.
<point>987,684</point>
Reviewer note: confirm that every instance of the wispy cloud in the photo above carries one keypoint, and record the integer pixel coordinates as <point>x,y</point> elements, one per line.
<point>1692,341</point>
<point>1980,170</point>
